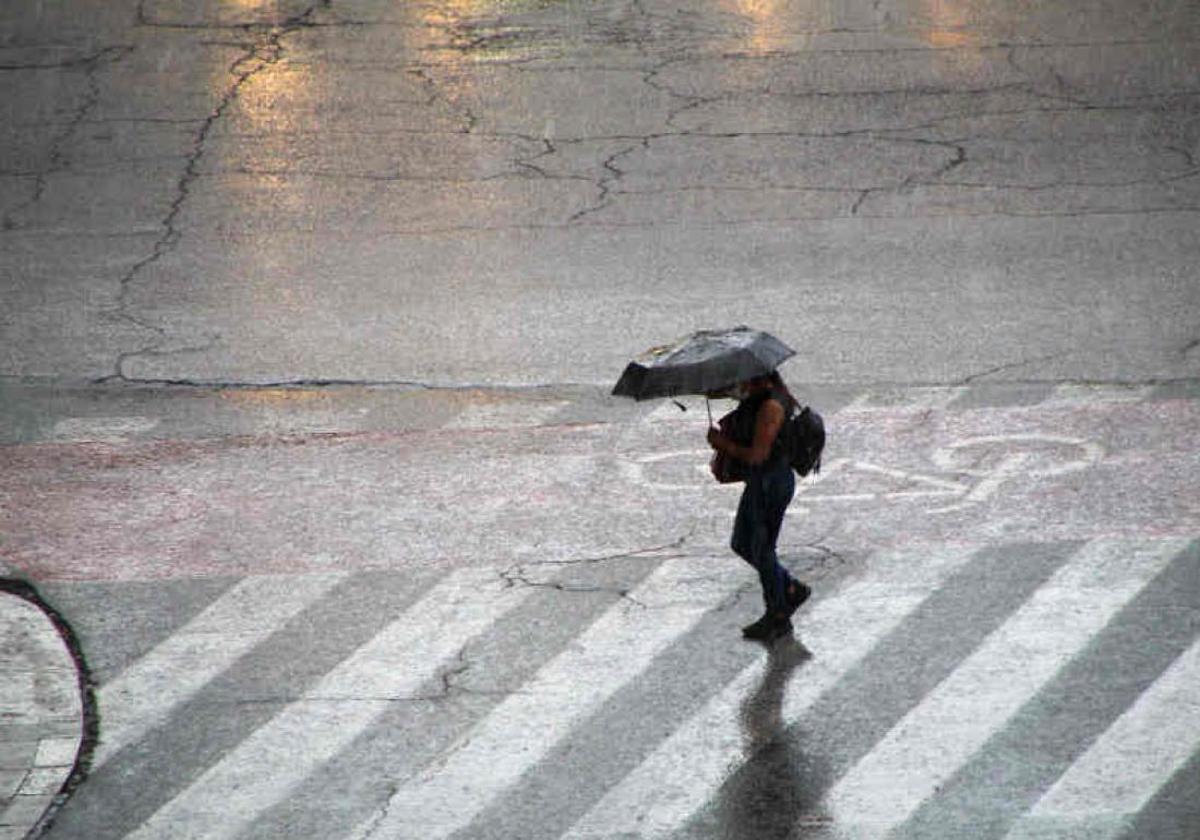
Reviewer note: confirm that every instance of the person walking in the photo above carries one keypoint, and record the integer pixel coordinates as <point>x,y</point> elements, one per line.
<point>753,441</point>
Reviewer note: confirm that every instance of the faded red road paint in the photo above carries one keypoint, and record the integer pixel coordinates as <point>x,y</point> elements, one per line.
<point>260,505</point>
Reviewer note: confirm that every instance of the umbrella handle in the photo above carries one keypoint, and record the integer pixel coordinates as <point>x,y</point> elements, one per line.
<point>708,405</point>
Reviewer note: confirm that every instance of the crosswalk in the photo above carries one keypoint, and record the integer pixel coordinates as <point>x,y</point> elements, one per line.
<point>986,689</point>
<point>1120,773</point>
<point>913,682</point>
<point>146,692</point>
<point>520,731</point>
<point>687,770</point>
<point>403,657</point>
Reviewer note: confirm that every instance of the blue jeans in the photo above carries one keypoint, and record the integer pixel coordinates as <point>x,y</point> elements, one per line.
<point>756,529</point>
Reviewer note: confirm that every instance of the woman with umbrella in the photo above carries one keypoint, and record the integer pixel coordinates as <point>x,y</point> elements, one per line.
<point>764,402</point>
<point>707,362</point>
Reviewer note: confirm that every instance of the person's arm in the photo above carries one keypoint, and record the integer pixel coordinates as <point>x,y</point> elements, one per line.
<point>766,428</point>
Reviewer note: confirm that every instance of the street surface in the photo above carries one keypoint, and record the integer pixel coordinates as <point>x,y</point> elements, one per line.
<point>528,627</point>
<point>308,316</point>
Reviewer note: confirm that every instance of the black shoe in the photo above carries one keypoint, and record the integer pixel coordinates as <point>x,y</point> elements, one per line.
<point>796,595</point>
<point>758,628</point>
<point>768,628</point>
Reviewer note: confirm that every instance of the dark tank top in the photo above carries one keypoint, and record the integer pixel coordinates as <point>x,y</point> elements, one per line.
<point>744,419</point>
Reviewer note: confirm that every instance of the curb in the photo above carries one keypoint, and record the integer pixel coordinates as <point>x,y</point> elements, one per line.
<point>48,720</point>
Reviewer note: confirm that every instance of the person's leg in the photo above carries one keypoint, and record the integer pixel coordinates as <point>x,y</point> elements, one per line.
<point>756,529</point>
<point>750,533</point>
<point>778,487</point>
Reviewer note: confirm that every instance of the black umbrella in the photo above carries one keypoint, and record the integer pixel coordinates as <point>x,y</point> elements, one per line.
<point>704,362</point>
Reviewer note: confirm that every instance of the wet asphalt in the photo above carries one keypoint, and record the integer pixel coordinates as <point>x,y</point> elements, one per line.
<point>335,288</point>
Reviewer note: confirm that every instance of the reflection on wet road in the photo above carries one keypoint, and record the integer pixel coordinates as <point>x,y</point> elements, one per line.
<point>778,785</point>
<point>435,178</point>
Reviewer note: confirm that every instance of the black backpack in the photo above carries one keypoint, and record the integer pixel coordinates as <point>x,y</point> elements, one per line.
<point>805,431</point>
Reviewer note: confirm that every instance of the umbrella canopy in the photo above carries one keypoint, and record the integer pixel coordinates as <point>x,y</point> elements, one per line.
<point>702,363</point>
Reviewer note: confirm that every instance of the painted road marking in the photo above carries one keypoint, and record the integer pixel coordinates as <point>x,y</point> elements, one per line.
<point>104,429</point>
<point>144,694</point>
<point>956,719</point>
<point>398,662</point>
<point>906,483</point>
<point>906,399</point>
<point>614,650</point>
<point>1122,771</point>
<point>988,461</point>
<point>972,470</point>
<point>994,460</point>
<point>497,415</point>
<point>686,771</point>
<point>1070,393</point>
<point>82,531</point>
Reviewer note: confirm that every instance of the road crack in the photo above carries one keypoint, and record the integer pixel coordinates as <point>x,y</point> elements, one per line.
<point>56,159</point>
<point>605,183</point>
<point>974,377</point>
<point>516,576</point>
<point>265,53</point>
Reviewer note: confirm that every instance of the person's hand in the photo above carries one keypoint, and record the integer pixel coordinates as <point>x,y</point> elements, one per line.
<point>715,438</point>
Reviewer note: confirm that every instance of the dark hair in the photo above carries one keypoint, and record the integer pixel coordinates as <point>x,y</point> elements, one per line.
<point>777,383</point>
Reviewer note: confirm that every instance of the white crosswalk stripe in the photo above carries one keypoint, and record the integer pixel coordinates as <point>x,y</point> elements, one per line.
<point>954,720</point>
<point>397,662</point>
<point>674,780</point>
<point>610,653</point>
<point>1127,765</point>
<point>144,694</point>
<point>688,768</point>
